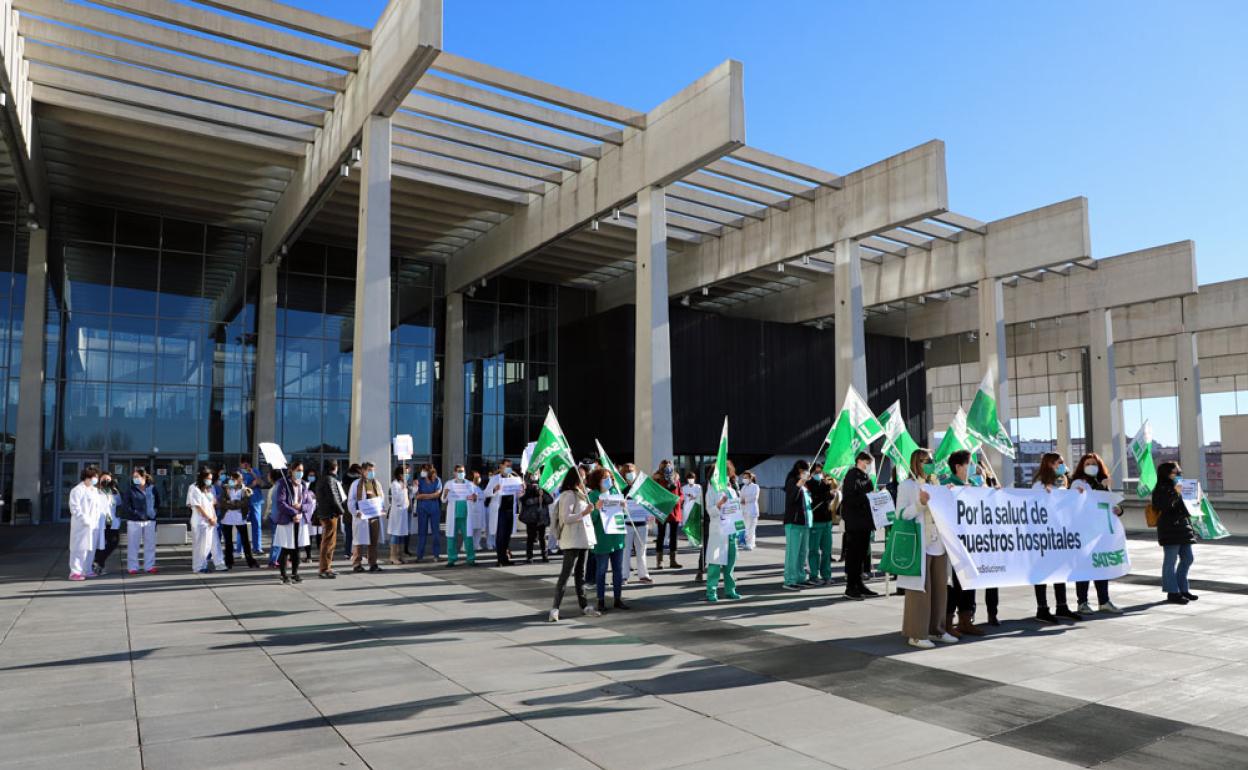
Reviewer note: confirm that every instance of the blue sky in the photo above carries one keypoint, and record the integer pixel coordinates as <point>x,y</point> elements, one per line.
<point>1140,105</point>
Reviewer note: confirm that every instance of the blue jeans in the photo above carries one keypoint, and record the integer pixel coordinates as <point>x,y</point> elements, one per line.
<point>1175,581</point>
<point>253,528</point>
<point>615,560</point>
<point>428,527</point>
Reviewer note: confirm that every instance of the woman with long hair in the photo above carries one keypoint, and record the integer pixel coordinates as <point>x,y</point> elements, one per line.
<point>923,623</point>
<point>1175,533</point>
<point>574,541</point>
<point>398,515</point>
<point>798,519</point>
<point>1051,475</point>
<point>608,547</point>
<point>203,505</point>
<point>294,505</point>
<point>1091,475</point>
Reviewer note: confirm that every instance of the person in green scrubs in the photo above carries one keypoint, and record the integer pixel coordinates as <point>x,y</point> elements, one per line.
<point>824,498</point>
<point>460,494</point>
<point>797,523</point>
<point>721,548</point>
<point>609,548</point>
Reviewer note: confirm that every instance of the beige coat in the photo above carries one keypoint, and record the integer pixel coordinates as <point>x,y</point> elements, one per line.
<point>570,511</point>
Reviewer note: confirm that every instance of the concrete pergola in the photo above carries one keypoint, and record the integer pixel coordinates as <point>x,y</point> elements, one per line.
<point>280,122</point>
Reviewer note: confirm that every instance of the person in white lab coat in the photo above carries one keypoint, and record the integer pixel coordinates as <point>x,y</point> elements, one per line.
<point>638,529</point>
<point>460,496</point>
<point>365,531</point>
<point>203,505</point>
<point>749,507</point>
<point>923,623</point>
<point>86,509</point>
<point>721,547</point>
<point>503,490</point>
<point>398,516</point>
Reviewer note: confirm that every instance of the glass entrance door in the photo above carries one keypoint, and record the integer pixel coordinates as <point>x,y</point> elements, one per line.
<point>173,477</point>
<point>69,473</point>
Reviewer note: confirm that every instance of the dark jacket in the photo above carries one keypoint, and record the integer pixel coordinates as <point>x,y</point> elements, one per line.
<point>132,504</point>
<point>794,506</point>
<point>820,501</point>
<point>330,499</point>
<point>1174,524</point>
<point>534,510</point>
<point>855,508</point>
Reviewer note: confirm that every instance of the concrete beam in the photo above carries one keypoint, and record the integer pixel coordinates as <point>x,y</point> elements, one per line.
<point>1120,281</point>
<point>1191,413</point>
<point>1050,235</point>
<point>851,348</point>
<point>404,44</point>
<point>453,446</point>
<point>265,417</point>
<point>17,119</point>
<point>652,373</point>
<point>28,450</point>
<point>696,126</point>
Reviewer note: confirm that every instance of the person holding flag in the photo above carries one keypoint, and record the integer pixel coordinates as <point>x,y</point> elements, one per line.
<point>670,481</point>
<point>723,503</point>
<point>691,511</point>
<point>858,524</point>
<point>798,519</point>
<point>924,620</point>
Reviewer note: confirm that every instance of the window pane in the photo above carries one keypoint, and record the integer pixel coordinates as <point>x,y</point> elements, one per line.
<point>88,272</point>
<point>307,258</point>
<point>86,347</point>
<point>542,294</point>
<point>479,322</point>
<point>417,420</point>
<point>542,335</point>
<point>515,436</point>
<point>337,370</point>
<point>182,286</point>
<point>178,416</point>
<point>513,291</point>
<point>302,365</point>
<point>304,303</point>
<point>515,388</point>
<point>134,349</point>
<point>130,418</point>
<point>541,388</point>
<point>301,424</point>
<point>134,281</point>
<point>512,331</point>
<point>413,374</point>
<point>182,236</point>
<point>83,420</point>
<point>337,426</point>
<point>340,310</point>
<point>138,229</point>
<point>183,353</point>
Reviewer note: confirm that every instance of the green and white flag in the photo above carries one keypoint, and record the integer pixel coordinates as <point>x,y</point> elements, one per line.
<point>604,461</point>
<point>956,438</point>
<point>652,496</point>
<point>719,478</point>
<point>1142,451</point>
<point>898,444</point>
<point>553,473</point>
<point>1209,526</point>
<point>550,443</point>
<point>856,426</point>
<point>982,421</point>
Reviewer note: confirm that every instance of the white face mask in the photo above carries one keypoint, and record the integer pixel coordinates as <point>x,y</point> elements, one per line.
<point>1092,470</point>
<point>630,477</point>
<point>459,475</point>
<point>424,474</point>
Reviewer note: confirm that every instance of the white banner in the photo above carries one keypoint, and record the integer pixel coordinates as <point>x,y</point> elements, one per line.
<point>1018,537</point>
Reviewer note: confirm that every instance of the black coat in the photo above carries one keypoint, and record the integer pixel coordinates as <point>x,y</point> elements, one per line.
<point>794,506</point>
<point>1174,524</point>
<point>534,507</point>
<point>329,502</point>
<point>820,501</point>
<point>855,508</point>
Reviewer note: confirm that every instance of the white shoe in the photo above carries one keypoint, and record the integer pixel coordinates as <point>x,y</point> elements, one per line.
<point>1111,608</point>
<point>1084,608</point>
<point>553,616</point>
<point>945,638</point>
<point>922,644</point>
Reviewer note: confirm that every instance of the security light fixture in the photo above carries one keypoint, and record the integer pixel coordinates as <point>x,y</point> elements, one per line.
<point>927,344</point>
<point>972,336</point>
<point>780,267</point>
<point>615,215</point>
<point>357,157</point>
<point>593,225</point>
<point>706,291</point>
<point>1062,355</point>
<point>344,171</point>
<point>685,300</point>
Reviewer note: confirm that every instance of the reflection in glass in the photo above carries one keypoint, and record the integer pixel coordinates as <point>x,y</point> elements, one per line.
<point>134,349</point>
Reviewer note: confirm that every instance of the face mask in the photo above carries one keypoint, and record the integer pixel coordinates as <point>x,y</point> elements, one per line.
<point>977,479</point>
<point>92,481</point>
<point>459,475</point>
<point>1092,470</point>
<point>1178,481</point>
<point>690,482</point>
<point>630,477</point>
<point>1061,469</point>
<point>298,475</point>
<point>137,481</point>
<point>311,479</point>
<point>818,477</point>
<point>506,471</point>
<point>372,475</point>
<point>230,483</point>
<point>605,485</point>
<point>424,474</point>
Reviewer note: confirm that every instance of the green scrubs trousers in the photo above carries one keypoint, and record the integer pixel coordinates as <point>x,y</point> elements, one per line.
<point>796,546</point>
<point>713,571</point>
<point>821,550</point>
<point>461,536</point>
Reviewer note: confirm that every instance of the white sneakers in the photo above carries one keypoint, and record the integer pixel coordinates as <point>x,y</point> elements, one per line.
<point>945,638</point>
<point>922,644</point>
<point>1111,608</point>
<point>553,617</point>
<point>1084,608</point>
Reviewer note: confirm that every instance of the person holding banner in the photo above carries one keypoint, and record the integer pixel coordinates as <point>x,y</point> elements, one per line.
<point>294,506</point>
<point>924,619</point>
<point>798,519</point>
<point>503,490</point>
<point>749,509</point>
<point>1175,533</point>
<point>575,540</point>
<point>825,498</point>
<point>721,540</point>
<point>668,479</point>
<point>858,524</point>
<point>1051,475</point>
<point>639,527</point>
<point>460,495</point>
<point>962,600</point>
<point>398,515</point>
<point>609,537</point>
<point>1090,475</point>
<point>365,500</point>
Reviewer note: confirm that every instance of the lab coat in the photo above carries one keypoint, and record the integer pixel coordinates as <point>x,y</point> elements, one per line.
<point>359,525</point>
<point>87,509</point>
<point>749,500</point>
<point>453,491</point>
<point>716,541</point>
<point>399,518</point>
<point>496,500</point>
<point>234,517</point>
<point>690,494</point>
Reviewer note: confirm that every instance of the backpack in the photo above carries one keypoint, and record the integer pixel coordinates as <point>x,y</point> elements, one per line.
<point>1151,515</point>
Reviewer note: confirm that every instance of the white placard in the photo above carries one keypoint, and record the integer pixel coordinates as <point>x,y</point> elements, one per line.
<point>527,455</point>
<point>1191,491</point>
<point>370,507</point>
<point>637,513</point>
<point>613,514</point>
<point>403,446</point>
<point>731,520</point>
<point>458,490</point>
<point>273,455</point>
<point>881,506</point>
<point>509,485</point>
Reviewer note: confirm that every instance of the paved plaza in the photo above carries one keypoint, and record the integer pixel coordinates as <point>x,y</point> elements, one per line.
<point>430,667</point>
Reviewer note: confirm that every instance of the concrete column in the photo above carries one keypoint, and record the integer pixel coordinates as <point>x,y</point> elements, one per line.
<point>453,386</point>
<point>1061,413</point>
<point>652,372</point>
<point>370,371</point>
<point>265,427</point>
<point>851,346</point>
<point>1106,439</point>
<point>1191,416</point>
<point>28,449</point>
<point>992,354</point>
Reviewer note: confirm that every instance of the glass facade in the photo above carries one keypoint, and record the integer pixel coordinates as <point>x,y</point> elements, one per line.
<point>150,351</point>
<point>13,244</point>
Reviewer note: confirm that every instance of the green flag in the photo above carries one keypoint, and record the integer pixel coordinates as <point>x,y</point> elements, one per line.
<point>693,524</point>
<point>652,496</point>
<point>553,473</point>
<point>982,421</point>
<point>898,445</point>
<point>1209,526</point>
<point>550,443</point>
<point>616,479</point>
<point>856,426</point>
<point>956,438</point>
<point>719,478</point>
<point>1142,451</point>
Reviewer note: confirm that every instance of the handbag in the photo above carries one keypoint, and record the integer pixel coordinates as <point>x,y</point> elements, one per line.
<point>1151,515</point>
<point>903,549</point>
